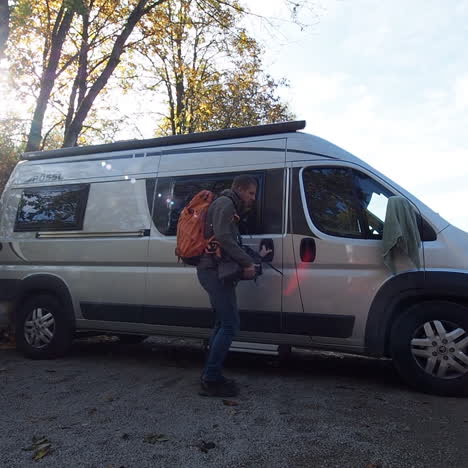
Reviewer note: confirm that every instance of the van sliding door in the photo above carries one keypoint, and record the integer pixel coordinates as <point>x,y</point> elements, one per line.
<point>175,302</point>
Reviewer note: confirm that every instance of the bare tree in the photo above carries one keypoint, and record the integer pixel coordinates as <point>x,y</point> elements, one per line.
<point>75,123</point>
<point>4,25</point>
<point>52,55</point>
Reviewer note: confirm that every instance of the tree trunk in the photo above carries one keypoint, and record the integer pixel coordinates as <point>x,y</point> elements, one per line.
<point>79,84</point>
<point>63,22</point>
<point>76,125</point>
<point>4,25</point>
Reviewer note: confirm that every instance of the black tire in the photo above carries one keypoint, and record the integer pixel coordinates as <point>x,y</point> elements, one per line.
<point>422,363</point>
<point>59,337</point>
<point>131,339</point>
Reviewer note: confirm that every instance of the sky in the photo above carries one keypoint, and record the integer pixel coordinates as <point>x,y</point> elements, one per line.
<point>388,81</point>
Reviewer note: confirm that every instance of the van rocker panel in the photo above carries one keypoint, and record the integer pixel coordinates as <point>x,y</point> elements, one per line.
<point>337,326</point>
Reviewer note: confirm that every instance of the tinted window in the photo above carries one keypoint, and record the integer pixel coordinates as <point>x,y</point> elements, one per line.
<point>52,208</point>
<point>174,193</point>
<point>348,203</point>
<point>372,199</point>
<point>331,201</point>
<point>344,202</point>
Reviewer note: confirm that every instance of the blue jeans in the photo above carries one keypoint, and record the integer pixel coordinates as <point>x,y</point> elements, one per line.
<point>224,302</point>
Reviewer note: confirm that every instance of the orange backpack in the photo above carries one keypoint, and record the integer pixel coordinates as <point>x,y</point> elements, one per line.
<point>191,241</point>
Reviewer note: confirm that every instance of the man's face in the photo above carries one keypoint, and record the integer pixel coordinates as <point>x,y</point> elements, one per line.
<point>247,195</point>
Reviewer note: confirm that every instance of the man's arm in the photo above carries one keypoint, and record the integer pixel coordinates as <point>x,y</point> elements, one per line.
<point>223,216</point>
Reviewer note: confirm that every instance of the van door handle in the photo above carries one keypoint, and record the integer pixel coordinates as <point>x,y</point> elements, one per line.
<point>308,250</point>
<point>269,245</point>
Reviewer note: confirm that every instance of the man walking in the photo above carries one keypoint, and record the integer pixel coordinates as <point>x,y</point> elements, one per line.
<point>222,223</point>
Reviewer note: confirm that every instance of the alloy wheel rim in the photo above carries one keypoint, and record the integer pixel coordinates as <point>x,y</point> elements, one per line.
<point>39,327</point>
<point>441,349</point>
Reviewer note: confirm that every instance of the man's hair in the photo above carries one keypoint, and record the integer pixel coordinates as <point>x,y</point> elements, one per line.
<point>243,182</point>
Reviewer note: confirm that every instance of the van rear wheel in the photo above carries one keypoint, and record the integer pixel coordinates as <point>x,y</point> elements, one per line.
<point>429,346</point>
<point>43,329</point>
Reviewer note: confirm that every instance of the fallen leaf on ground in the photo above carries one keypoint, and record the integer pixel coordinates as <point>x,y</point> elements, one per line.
<point>92,411</point>
<point>230,403</point>
<point>36,441</point>
<point>372,465</point>
<point>155,438</point>
<point>42,451</point>
<point>125,436</point>
<point>41,447</point>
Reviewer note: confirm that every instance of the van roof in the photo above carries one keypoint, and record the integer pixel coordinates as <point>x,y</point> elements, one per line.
<point>229,133</point>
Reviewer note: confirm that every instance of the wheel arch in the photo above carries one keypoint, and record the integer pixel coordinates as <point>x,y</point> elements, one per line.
<point>403,291</point>
<point>45,284</point>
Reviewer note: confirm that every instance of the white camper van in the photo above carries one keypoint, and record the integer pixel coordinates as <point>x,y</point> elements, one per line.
<point>87,238</point>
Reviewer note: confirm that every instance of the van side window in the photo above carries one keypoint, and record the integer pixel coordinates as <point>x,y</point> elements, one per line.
<point>174,193</point>
<point>348,203</point>
<point>331,201</point>
<point>57,208</point>
<point>372,200</point>
<point>345,202</point>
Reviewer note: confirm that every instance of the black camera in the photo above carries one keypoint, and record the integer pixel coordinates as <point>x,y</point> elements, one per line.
<point>256,260</point>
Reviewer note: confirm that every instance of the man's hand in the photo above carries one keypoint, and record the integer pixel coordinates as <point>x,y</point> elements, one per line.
<point>264,251</point>
<point>249,272</point>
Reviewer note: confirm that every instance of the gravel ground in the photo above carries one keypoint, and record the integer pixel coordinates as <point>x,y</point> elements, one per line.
<point>113,405</point>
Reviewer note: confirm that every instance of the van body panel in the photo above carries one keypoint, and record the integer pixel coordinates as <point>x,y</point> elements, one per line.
<point>448,251</point>
<point>106,261</point>
<point>213,158</point>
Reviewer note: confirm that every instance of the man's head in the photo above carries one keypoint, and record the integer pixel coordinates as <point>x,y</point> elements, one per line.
<point>246,187</point>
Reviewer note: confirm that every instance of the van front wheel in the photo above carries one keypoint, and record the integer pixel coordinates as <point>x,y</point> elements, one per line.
<point>429,346</point>
<point>43,329</point>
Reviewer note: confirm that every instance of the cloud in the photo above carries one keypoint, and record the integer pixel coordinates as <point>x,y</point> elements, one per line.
<point>461,92</point>
<point>409,147</point>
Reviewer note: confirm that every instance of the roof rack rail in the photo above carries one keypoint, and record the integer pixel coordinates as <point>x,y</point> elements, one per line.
<point>258,130</point>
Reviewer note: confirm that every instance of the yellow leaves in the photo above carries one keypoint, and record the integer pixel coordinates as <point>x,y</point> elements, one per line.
<point>155,438</point>
<point>41,447</point>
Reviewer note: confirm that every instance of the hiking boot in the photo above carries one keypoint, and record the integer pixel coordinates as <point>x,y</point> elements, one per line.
<point>224,388</point>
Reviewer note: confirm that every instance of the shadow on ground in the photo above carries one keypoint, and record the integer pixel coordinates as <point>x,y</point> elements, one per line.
<point>186,353</point>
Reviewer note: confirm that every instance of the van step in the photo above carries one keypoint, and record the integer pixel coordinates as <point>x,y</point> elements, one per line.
<point>258,348</point>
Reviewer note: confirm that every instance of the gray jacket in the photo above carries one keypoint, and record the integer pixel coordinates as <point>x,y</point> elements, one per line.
<point>221,223</point>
